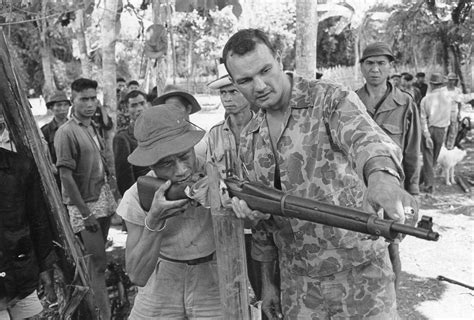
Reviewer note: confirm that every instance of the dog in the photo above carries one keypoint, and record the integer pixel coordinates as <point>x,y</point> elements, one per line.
<point>447,160</point>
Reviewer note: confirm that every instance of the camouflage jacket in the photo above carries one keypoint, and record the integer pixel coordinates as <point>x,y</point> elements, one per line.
<point>398,116</point>
<point>327,139</point>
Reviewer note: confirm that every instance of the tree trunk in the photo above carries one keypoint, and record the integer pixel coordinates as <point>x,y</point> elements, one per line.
<point>443,35</point>
<point>170,31</point>
<point>110,28</point>
<point>79,33</point>
<point>357,37</point>
<point>45,51</point>
<point>457,66</point>
<point>189,64</point>
<point>159,17</point>
<point>306,36</point>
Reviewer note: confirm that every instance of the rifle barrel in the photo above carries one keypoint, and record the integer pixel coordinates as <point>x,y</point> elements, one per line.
<point>277,203</point>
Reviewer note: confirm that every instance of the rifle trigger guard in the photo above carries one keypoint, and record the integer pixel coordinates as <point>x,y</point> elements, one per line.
<point>282,204</point>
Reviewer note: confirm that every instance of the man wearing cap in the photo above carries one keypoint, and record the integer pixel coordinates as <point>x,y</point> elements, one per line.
<point>454,96</point>
<point>124,143</point>
<point>180,98</point>
<point>436,116</point>
<point>420,83</point>
<point>396,113</point>
<point>395,79</point>
<point>314,139</point>
<point>185,101</point>
<point>85,190</point>
<point>224,138</point>
<point>170,250</point>
<point>59,105</point>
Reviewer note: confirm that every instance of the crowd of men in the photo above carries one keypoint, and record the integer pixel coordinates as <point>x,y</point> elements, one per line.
<point>311,138</point>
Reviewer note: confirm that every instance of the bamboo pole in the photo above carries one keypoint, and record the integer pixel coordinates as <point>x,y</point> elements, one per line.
<point>22,126</point>
<point>230,250</point>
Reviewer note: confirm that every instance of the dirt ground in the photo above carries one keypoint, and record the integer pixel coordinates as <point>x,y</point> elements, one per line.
<point>421,295</point>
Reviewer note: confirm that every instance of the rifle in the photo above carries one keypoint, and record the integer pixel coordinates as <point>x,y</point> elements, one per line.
<point>276,202</point>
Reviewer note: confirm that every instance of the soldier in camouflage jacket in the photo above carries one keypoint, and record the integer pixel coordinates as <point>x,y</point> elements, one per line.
<point>314,139</point>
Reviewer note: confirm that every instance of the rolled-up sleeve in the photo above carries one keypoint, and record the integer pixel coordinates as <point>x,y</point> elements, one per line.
<point>66,150</point>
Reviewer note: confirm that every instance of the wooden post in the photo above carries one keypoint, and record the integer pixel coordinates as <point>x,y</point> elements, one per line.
<point>25,133</point>
<point>230,250</point>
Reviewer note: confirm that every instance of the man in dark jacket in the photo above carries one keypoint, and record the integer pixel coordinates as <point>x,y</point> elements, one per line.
<point>124,143</point>
<point>395,112</point>
<point>26,244</point>
<point>59,105</point>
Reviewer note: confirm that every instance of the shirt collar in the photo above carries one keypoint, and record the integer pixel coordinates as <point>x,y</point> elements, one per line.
<point>79,122</point>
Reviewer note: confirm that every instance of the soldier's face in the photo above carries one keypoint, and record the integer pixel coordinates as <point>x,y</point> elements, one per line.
<point>60,109</point>
<point>259,75</point>
<point>233,101</point>
<point>376,69</point>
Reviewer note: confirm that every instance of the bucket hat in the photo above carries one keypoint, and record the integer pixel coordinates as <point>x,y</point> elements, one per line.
<point>377,49</point>
<point>172,90</point>
<point>436,78</point>
<point>160,132</point>
<point>222,78</point>
<point>58,96</point>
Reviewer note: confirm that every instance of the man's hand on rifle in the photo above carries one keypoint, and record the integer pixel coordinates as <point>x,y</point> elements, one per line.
<point>384,192</point>
<point>162,209</point>
<point>242,211</point>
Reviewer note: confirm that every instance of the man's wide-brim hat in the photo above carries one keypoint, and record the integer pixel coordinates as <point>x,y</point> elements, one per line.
<point>452,76</point>
<point>377,49</point>
<point>57,97</point>
<point>160,132</point>
<point>172,91</point>
<point>222,80</point>
<point>436,78</point>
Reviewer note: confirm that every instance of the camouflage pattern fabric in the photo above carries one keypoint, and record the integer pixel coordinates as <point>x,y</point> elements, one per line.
<point>326,140</point>
<point>363,292</point>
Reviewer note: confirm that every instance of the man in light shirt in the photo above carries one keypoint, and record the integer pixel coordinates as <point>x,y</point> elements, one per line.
<point>436,116</point>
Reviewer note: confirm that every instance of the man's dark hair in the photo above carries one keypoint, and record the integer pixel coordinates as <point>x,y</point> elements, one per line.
<point>120,80</point>
<point>407,76</point>
<point>244,41</point>
<point>133,94</point>
<point>133,82</point>
<point>82,84</point>
<point>420,75</point>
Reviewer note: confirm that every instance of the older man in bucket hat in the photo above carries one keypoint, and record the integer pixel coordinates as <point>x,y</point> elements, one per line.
<point>170,251</point>
<point>436,116</point>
